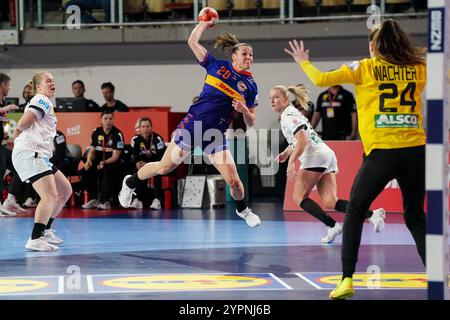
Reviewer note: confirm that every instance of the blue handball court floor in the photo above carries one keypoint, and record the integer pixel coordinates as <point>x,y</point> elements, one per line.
<point>202,254</point>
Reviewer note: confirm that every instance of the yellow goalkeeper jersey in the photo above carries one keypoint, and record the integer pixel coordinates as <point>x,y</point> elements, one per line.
<point>388,99</point>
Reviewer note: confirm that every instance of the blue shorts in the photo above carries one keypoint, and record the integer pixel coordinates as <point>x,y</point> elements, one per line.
<point>193,132</point>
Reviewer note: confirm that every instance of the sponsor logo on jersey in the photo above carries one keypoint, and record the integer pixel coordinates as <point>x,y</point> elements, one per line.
<point>223,87</point>
<point>44,104</point>
<point>241,86</point>
<point>396,121</point>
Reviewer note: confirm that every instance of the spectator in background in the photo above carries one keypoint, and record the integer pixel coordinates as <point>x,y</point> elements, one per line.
<point>111,103</point>
<point>102,169</point>
<point>61,157</point>
<point>337,109</point>
<point>4,90</point>
<point>26,95</point>
<point>83,104</point>
<point>87,5</point>
<point>147,146</point>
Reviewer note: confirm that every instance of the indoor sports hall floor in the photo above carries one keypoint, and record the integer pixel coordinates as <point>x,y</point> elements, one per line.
<point>202,255</point>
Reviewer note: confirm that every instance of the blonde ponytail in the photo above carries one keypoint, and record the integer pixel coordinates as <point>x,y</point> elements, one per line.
<point>301,96</point>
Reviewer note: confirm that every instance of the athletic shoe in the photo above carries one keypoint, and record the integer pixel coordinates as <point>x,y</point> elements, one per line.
<point>5,212</point>
<point>40,244</point>
<point>332,233</point>
<point>156,205</point>
<point>126,194</point>
<point>377,219</point>
<point>136,204</point>
<point>104,206</point>
<point>249,217</point>
<point>343,290</point>
<point>30,203</point>
<point>91,204</point>
<point>51,237</point>
<point>12,205</point>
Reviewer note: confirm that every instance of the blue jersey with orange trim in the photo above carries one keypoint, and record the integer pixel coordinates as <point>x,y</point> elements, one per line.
<point>222,84</point>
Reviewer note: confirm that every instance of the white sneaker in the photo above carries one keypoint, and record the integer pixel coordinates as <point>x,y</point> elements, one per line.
<point>40,244</point>
<point>51,237</point>
<point>249,217</point>
<point>5,212</point>
<point>332,233</point>
<point>377,219</point>
<point>126,194</point>
<point>104,206</point>
<point>136,204</point>
<point>30,203</point>
<point>12,205</point>
<point>156,204</point>
<point>91,204</point>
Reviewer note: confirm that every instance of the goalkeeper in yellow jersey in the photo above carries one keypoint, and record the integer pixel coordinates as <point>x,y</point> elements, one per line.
<point>388,90</point>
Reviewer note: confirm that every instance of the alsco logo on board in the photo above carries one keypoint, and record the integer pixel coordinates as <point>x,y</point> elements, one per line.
<point>396,121</point>
<point>436,18</point>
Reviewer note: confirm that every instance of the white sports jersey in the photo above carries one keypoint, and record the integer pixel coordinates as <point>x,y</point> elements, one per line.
<point>39,136</point>
<point>291,120</point>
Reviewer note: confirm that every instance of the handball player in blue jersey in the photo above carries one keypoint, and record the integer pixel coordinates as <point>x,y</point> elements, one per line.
<point>229,87</point>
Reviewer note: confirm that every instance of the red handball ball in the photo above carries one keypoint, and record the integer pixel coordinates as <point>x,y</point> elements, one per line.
<point>208,14</point>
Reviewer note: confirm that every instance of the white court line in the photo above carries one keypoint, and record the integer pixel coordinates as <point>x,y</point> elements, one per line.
<point>309,281</point>
<point>280,281</point>
<point>90,284</point>
<point>61,285</point>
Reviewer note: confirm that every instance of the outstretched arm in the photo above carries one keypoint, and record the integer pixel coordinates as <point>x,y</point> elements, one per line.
<point>319,78</point>
<point>193,41</point>
<point>8,108</point>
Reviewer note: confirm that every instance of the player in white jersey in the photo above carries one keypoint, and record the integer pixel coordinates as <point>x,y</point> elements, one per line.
<point>33,147</point>
<point>318,163</point>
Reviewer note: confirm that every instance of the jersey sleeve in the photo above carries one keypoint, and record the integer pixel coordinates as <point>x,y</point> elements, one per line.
<point>119,143</point>
<point>209,62</point>
<point>295,123</point>
<point>135,148</point>
<point>40,105</point>
<point>252,99</point>
<point>160,145</point>
<point>93,138</point>
<point>347,73</point>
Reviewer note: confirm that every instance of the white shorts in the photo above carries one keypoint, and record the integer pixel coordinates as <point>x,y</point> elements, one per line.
<point>30,166</point>
<point>326,160</point>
